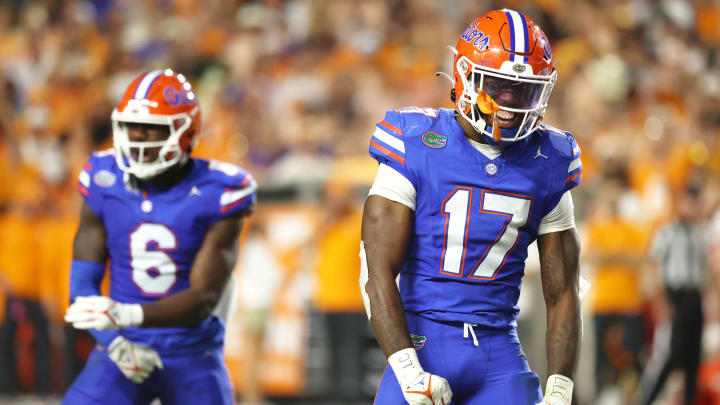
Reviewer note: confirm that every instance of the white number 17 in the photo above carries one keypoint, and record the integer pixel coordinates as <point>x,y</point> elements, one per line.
<point>456,208</point>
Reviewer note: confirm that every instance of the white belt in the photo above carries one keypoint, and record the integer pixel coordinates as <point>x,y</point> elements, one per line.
<point>468,330</point>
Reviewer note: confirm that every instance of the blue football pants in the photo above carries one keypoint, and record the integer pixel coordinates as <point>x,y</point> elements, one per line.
<point>190,379</point>
<point>486,367</point>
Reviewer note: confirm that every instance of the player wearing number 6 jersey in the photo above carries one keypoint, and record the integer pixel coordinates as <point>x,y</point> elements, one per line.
<point>168,226</point>
<point>459,196</point>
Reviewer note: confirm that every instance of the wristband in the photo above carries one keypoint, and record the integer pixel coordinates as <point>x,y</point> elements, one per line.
<point>135,314</point>
<point>85,278</point>
<point>405,364</point>
<point>559,386</point>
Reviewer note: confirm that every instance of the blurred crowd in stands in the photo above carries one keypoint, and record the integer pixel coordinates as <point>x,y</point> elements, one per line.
<point>291,90</point>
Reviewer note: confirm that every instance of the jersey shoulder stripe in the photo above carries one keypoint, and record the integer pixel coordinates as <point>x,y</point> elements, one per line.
<point>236,187</point>
<point>390,143</point>
<point>387,144</point>
<point>389,128</point>
<point>565,147</point>
<point>377,147</point>
<point>234,196</point>
<point>390,138</point>
<point>97,176</point>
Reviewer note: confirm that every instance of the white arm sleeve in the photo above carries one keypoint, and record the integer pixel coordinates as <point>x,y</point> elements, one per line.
<point>562,217</point>
<point>389,183</point>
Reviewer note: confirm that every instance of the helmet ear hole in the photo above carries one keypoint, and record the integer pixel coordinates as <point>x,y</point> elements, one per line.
<point>453,96</point>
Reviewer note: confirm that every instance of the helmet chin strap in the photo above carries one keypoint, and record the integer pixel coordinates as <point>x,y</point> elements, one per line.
<point>504,133</point>
<point>487,136</point>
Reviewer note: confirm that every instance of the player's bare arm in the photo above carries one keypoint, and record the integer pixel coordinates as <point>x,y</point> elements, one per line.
<point>559,257</point>
<point>89,244</point>
<point>208,277</point>
<point>386,229</point>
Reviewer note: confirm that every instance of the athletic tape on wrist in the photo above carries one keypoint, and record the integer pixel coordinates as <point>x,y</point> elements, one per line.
<point>559,386</point>
<point>136,314</point>
<point>405,364</point>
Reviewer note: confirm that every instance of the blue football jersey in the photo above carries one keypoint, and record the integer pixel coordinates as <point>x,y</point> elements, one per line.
<point>474,216</point>
<point>154,234</point>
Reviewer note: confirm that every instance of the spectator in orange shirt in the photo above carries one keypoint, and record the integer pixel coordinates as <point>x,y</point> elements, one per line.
<point>616,249</point>
<point>20,275</point>
<point>336,292</point>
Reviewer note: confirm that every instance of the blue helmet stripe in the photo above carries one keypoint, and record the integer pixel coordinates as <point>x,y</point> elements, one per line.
<point>511,25</point>
<point>525,33</point>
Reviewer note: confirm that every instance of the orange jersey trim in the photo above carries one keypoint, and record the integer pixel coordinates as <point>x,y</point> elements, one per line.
<point>390,127</point>
<point>387,152</point>
<point>574,176</point>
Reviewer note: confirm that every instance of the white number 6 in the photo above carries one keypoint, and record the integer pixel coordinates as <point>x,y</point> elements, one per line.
<point>154,272</point>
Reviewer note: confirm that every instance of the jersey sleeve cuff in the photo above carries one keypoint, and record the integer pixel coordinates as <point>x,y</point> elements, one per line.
<point>393,185</point>
<point>561,218</point>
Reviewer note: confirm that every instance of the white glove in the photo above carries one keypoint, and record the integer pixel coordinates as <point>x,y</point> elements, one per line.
<point>134,360</point>
<point>418,386</point>
<point>99,312</point>
<point>558,390</point>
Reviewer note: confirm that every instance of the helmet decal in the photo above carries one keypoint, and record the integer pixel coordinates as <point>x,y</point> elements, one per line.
<point>478,39</point>
<point>546,48</point>
<point>176,97</point>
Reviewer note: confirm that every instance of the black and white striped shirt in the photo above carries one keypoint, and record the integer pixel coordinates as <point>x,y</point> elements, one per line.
<point>680,252</point>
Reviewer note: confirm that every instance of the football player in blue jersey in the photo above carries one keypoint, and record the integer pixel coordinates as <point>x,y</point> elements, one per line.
<point>167,224</point>
<point>459,195</point>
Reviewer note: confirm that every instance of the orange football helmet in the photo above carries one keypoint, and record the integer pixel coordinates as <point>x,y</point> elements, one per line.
<point>159,97</point>
<point>505,56</point>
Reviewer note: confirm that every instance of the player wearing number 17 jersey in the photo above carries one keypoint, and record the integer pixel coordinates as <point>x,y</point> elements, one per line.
<point>459,195</point>
<point>168,225</point>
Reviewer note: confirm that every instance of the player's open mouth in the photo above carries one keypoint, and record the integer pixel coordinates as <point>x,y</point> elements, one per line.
<point>505,117</point>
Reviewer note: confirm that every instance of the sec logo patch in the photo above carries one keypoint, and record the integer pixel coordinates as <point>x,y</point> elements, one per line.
<point>491,169</point>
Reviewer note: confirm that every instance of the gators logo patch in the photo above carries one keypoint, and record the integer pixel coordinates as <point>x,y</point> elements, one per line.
<point>433,140</point>
<point>104,178</point>
<point>418,341</point>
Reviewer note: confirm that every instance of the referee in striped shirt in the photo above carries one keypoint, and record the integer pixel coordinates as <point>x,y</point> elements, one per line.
<point>679,251</point>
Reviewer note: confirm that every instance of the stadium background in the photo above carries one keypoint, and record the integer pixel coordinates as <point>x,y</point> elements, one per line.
<point>291,90</point>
